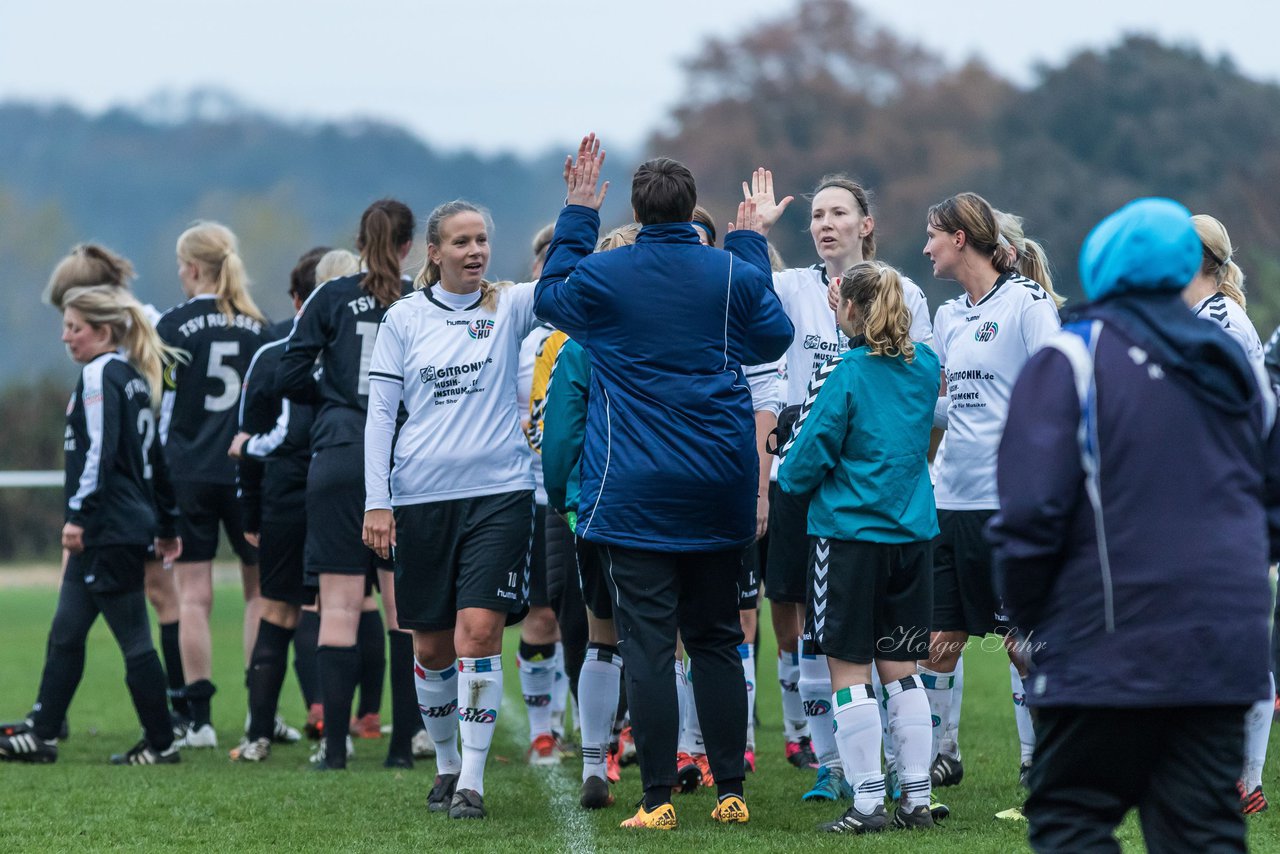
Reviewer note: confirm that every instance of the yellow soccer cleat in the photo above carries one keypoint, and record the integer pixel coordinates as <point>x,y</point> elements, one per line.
<point>731,810</point>
<point>662,818</point>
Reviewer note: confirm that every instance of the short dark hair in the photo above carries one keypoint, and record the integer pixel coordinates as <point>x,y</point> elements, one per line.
<point>302,281</point>
<point>663,190</point>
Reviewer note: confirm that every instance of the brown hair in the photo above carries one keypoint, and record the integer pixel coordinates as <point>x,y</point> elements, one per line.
<point>214,250</point>
<point>385,226</point>
<point>702,217</point>
<point>876,289</point>
<point>972,214</point>
<point>542,242</point>
<point>87,264</point>
<point>663,190</point>
<point>302,279</point>
<point>863,199</point>
<point>1215,258</point>
<point>118,310</point>
<point>430,273</point>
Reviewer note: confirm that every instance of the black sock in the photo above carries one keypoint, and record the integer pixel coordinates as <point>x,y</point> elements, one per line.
<point>146,679</point>
<point>656,796</point>
<point>266,674</point>
<point>405,716</point>
<point>537,651</point>
<point>63,667</point>
<point>305,640</point>
<point>339,668</point>
<point>725,788</point>
<point>373,662</point>
<point>199,694</point>
<point>173,667</point>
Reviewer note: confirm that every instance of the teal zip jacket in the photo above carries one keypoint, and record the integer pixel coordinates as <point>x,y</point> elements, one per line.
<point>564,427</point>
<point>863,443</point>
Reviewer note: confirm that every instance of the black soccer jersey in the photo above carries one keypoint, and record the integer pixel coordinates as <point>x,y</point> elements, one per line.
<point>338,324</point>
<point>117,484</point>
<point>199,410</point>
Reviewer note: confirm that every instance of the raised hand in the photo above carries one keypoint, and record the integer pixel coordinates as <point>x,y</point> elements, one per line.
<point>749,218</point>
<point>581,175</point>
<point>760,191</point>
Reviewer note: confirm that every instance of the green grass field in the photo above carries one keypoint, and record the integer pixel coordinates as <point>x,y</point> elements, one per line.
<point>207,803</point>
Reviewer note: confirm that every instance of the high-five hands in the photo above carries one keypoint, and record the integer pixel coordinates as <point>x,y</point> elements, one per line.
<point>760,192</point>
<point>749,218</point>
<point>581,174</point>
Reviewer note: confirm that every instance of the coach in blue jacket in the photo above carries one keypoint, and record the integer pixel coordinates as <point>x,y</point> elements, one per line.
<point>669,468</point>
<point>1138,482</point>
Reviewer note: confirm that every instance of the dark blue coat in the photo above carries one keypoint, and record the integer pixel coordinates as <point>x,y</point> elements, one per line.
<point>669,460</point>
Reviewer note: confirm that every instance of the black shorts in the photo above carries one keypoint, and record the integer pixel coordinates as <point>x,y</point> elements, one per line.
<point>202,506</point>
<point>595,590</point>
<point>110,569</point>
<point>281,571</point>
<point>787,563</point>
<point>463,553</point>
<point>538,595</point>
<point>872,600</point>
<point>562,562</point>
<point>964,594</point>
<point>335,513</point>
<point>749,577</point>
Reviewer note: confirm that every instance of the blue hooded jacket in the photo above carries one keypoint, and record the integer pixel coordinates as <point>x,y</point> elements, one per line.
<point>669,459</point>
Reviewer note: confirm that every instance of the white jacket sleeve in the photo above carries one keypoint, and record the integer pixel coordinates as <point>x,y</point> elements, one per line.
<point>386,389</point>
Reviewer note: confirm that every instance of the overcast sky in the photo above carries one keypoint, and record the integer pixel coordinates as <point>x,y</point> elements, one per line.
<point>519,75</point>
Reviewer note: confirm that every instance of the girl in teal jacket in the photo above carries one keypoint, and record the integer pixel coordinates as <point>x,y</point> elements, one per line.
<point>862,443</point>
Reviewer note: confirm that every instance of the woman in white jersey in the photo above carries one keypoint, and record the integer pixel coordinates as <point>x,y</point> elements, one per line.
<point>983,338</point>
<point>843,232</point>
<point>461,488</point>
<point>1217,295</point>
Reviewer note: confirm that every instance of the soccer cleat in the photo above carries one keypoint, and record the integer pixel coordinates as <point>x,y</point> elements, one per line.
<point>858,822</point>
<point>830,785</point>
<point>626,747</point>
<point>318,755</point>
<point>939,811</point>
<point>800,753</point>
<point>916,819</point>
<point>612,768</point>
<point>661,818</point>
<point>26,747</point>
<point>749,761</point>
<point>142,754</point>
<point>1251,802</point>
<point>595,794</point>
<point>181,725</point>
<point>255,750</point>
<point>423,746</point>
<point>946,771</point>
<point>731,810</point>
<point>700,759</point>
<point>367,726</point>
<point>467,803</point>
<point>688,774</point>
<point>284,734</point>
<point>1024,775</point>
<point>1012,814</point>
<point>314,727</point>
<point>567,749</point>
<point>398,760</point>
<point>543,751</point>
<point>199,737</point>
<point>27,724</point>
<point>441,794</point>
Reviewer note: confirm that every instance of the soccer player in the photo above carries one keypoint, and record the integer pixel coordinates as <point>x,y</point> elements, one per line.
<point>118,501</point>
<point>983,339</point>
<point>862,443</point>
<point>457,506</point>
<point>221,328</point>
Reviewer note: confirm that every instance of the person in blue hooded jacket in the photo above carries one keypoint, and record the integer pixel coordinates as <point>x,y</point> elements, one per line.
<point>669,466</point>
<point>1139,506</point>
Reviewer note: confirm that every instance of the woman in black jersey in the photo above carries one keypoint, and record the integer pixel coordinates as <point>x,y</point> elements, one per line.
<point>119,502</point>
<point>338,325</point>
<point>221,329</point>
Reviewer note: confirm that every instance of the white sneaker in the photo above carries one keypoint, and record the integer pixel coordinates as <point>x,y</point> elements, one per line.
<point>318,755</point>
<point>199,737</point>
<point>285,734</point>
<point>252,751</point>
<point>423,746</point>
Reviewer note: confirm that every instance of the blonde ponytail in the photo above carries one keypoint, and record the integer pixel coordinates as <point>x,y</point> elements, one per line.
<point>1029,257</point>
<point>876,289</point>
<point>213,248</point>
<point>1216,258</point>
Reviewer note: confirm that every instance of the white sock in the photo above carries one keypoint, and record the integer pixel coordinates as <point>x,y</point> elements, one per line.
<point>794,724</point>
<point>748,655</point>
<point>690,726</point>
<point>537,680</point>
<point>857,737</point>
<point>815,692</point>
<point>913,734</point>
<point>438,704</point>
<point>598,700</point>
<point>1022,716</point>
<point>1257,729</point>
<point>479,700</point>
<point>937,687</point>
<point>949,744</point>
<point>559,692</point>
<point>882,703</point>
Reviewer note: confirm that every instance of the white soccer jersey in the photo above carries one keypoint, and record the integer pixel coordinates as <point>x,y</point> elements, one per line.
<point>456,372</point>
<point>1228,314</point>
<point>983,348</point>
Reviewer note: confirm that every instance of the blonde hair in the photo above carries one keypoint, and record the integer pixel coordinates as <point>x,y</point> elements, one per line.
<point>876,289</point>
<point>623,235</point>
<point>117,309</point>
<point>335,264</point>
<point>1216,258</point>
<point>542,242</point>
<point>775,259</point>
<point>430,273</point>
<point>87,264</point>
<point>1028,255</point>
<point>213,248</point>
